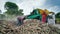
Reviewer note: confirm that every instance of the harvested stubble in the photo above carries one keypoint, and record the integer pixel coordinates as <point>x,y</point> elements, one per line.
<point>30,26</point>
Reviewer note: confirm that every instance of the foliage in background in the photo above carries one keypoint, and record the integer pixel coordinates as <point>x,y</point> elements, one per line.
<point>2,16</point>
<point>58,15</point>
<point>12,9</point>
<point>0,11</point>
<point>58,18</point>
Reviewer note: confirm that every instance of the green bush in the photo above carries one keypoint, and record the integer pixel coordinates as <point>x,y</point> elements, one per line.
<point>58,20</point>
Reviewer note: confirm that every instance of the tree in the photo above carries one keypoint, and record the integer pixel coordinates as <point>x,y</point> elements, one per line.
<point>2,16</point>
<point>58,15</point>
<point>20,12</point>
<point>12,8</point>
<point>0,11</point>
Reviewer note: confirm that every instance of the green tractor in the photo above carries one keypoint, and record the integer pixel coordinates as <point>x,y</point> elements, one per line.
<point>34,15</point>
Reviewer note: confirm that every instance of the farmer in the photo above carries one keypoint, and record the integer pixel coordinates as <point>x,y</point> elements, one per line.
<point>51,18</point>
<point>20,20</point>
<point>44,15</point>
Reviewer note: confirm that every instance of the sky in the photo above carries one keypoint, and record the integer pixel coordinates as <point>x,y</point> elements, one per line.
<point>29,5</point>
